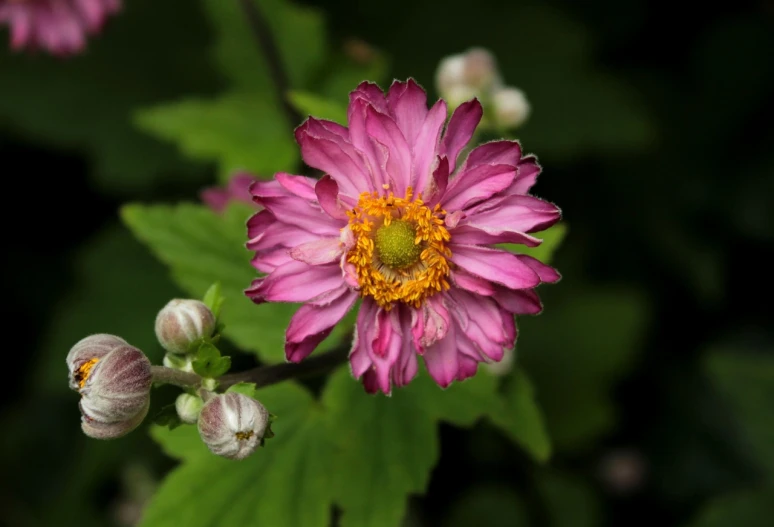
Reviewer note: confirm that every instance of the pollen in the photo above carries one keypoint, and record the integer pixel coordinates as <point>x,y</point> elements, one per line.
<point>244,436</point>
<point>400,253</point>
<point>82,374</point>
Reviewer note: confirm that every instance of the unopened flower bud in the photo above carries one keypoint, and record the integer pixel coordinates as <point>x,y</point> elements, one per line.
<point>182,322</point>
<point>188,407</point>
<point>232,425</point>
<point>114,380</point>
<point>511,107</point>
<point>462,77</point>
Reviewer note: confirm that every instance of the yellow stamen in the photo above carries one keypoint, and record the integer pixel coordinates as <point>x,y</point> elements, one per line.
<point>243,436</point>
<point>82,373</point>
<point>389,269</point>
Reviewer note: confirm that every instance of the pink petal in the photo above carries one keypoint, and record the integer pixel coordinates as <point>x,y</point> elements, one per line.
<point>482,320</point>
<point>546,273</point>
<point>374,154</point>
<point>384,130</point>
<point>268,261</point>
<point>405,369</point>
<point>327,191</point>
<point>296,282</point>
<point>311,324</point>
<point>462,126</point>
<point>318,252</point>
<point>335,157</point>
<point>425,148</point>
<point>441,359</point>
<point>477,184</point>
<point>295,211</point>
<point>407,102</point>
<point>277,234</point>
<point>472,283</point>
<point>431,323</point>
<point>372,94</point>
<point>498,266</point>
<point>439,182</point>
<point>519,302</point>
<point>467,235</point>
<point>495,153</point>
<point>300,186</point>
<point>512,214</point>
<point>526,176</point>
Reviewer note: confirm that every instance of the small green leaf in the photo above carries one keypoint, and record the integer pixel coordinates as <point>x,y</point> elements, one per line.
<point>214,299</point>
<point>245,388</point>
<point>309,104</point>
<point>167,417</point>
<point>209,363</point>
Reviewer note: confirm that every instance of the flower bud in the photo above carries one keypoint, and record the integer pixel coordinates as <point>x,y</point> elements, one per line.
<point>462,77</point>
<point>511,107</point>
<point>232,425</point>
<point>114,380</point>
<point>188,407</point>
<point>182,322</point>
<point>504,366</point>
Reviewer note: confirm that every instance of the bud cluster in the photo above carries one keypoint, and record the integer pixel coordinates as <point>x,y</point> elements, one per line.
<point>474,73</point>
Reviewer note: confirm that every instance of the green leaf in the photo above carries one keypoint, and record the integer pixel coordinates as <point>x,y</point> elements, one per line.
<point>750,508</point>
<point>167,417</point>
<point>518,415</point>
<point>309,104</point>
<point>552,239</point>
<point>214,299</point>
<point>574,370</point>
<point>299,33</point>
<point>245,388</point>
<point>209,363</point>
<point>202,247</point>
<point>746,380</point>
<point>84,104</point>
<point>386,448</point>
<point>285,483</point>
<point>239,131</point>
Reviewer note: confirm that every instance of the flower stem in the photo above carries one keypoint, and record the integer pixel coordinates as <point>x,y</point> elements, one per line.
<point>268,375</point>
<point>267,45</point>
<point>261,376</point>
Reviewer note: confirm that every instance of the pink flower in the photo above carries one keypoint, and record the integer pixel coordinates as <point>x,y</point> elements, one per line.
<point>59,26</point>
<point>238,189</point>
<point>402,222</point>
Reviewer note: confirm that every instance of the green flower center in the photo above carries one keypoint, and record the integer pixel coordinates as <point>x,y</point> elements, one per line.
<point>395,244</point>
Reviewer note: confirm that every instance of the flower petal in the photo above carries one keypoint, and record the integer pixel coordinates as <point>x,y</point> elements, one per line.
<point>300,186</point>
<point>498,266</point>
<point>407,103</point>
<point>441,359</point>
<point>512,214</point>
<point>519,302</point>
<point>460,130</point>
<point>477,184</point>
<point>526,176</point>
<point>546,273</point>
<point>425,149</point>
<point>431,323</point>
<point>318,252</point>
<point>296,282</point>
<point>327,192</point>
<point>383,129</point>
<point>467,235</point>
<point>311,324</point>
<point>374,155</point>
<point>472,283</point>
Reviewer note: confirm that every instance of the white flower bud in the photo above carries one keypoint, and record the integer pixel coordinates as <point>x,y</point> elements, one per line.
<point>460,78</point>
<point>182,322</point>
<point>504,366</point>
<point>188,407</point>
<point>511,107</point>
<point>114,380</point>
<point>481,70</point>
<point>450,73</point>
<point>232,425</point>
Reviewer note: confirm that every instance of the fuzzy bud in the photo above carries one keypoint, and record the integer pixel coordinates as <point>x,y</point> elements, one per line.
<point>464,76</point>
<point>182,322</point>
<point>232,425</point>
<point>511,107</point>
<point>188,407</point>
<point>114,380</point>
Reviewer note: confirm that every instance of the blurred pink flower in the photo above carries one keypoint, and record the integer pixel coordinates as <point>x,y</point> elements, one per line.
<point>238,189</point>
<point>59,26</point>
<point>402,222</point>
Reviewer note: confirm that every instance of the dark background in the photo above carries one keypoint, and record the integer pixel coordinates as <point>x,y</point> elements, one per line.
<point>653,123</point>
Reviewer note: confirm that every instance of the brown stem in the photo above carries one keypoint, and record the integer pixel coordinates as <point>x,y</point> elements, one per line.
<point>266,43</point>
<point>268,375</point>
<point>164,375</point>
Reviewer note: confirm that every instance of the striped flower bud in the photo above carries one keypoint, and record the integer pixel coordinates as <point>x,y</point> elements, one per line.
<point>181,322</point>
<point>232,425</point>
<point>114,380</point>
